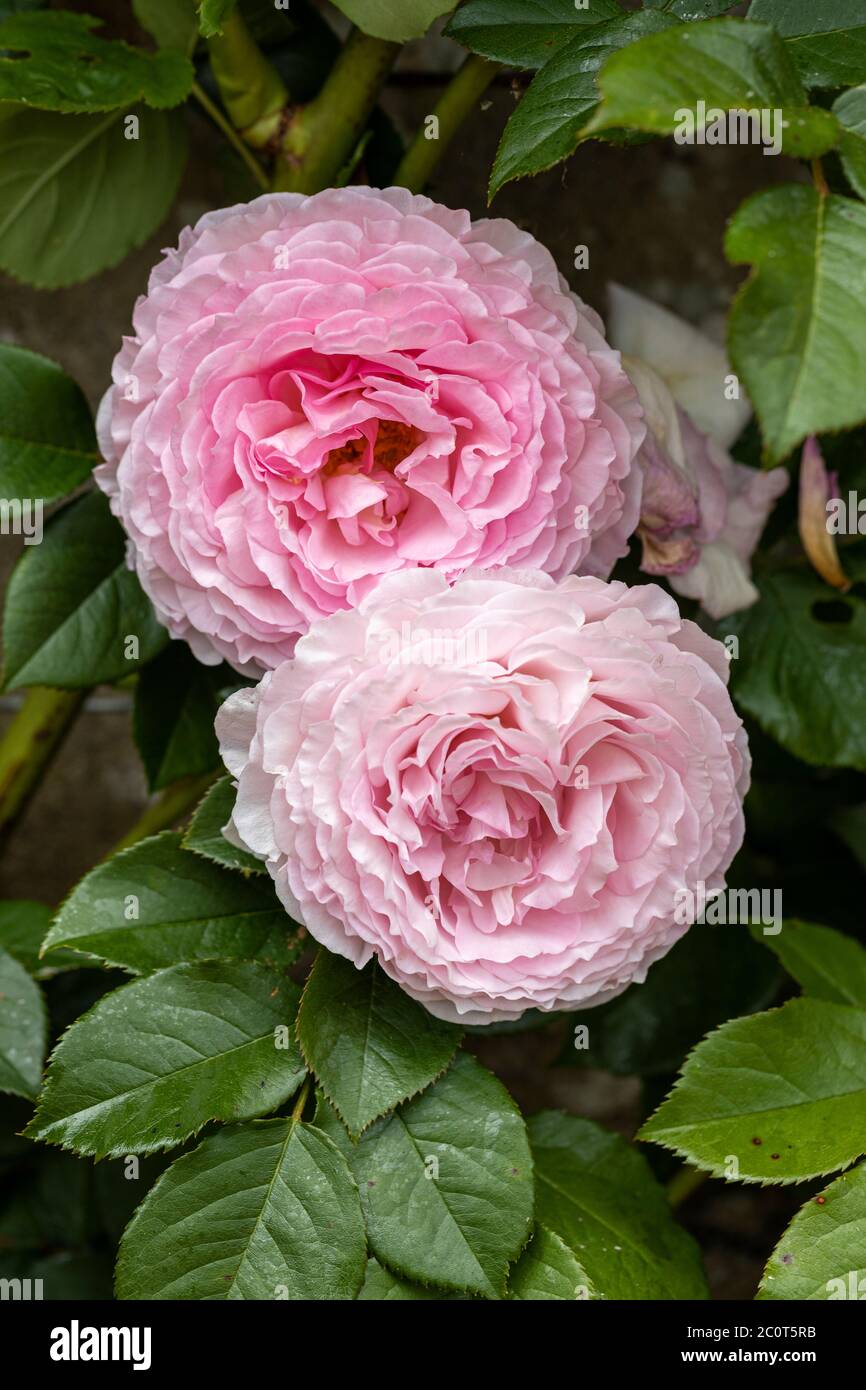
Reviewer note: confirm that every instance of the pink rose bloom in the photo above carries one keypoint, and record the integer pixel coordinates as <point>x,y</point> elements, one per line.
<point>498,789</point>
<point>324,390</point>
<point>702,513</point>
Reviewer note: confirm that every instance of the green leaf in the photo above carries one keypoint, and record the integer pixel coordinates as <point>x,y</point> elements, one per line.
<point>71,604</point>
<point>264,1211</point>
<point>53,61</point>
<point>547,1271</point>
<point>211,15</point>
<point>783,1093</point>
<point>328,1121</point>
<point>176,701</point>
<point>648,1030</point>
<point>72,994</point>
<point>551,119</point>
<point>23,926</point>
<point>728,65</point>
<point>446,1183</point>
<point>204,835</point>
<point>173,23</point>
<point>155,904</point>
<point>76,195</point>
<point>23,1029</point>
<point>796,336</point>
<point>22,929</point>
<point>827,41</point>
<point>47,443</point>
<point>381,1286</point>
<point>369,1044</point>
<point>155,1060</point>
<point>822,1254</point>
<point>524,33</point>
<point>850,111</point>
<point>799,676</point>
<point>396,20</point>
<point>825,963</point>
<point>599,1196</point>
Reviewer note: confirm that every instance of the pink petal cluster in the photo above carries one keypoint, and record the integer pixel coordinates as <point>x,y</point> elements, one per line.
<point>323,390</point>
<point>498,789</point>
<point>702,513</point>
<point>700,528</point>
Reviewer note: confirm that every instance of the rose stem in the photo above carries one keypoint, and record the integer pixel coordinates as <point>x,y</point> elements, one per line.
<point>34,735</point>
<point>231,135</point>
<point>253,93</point>
<point>819,179</point>
<point>298,1108</point>
<point>321,137</point>
<point>456,103</point>
<point>182,796</point>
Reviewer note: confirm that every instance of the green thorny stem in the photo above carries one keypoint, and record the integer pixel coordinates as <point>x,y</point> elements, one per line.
<point>317,143</point>
<point>252,90</point>
<point>313,144</point>
<point>168,808</point>
<point>457,101</point>
<point>322,137</point>
<point>32,738</point>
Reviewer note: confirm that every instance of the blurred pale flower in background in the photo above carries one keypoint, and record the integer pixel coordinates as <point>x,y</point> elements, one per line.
<point>702,513</point>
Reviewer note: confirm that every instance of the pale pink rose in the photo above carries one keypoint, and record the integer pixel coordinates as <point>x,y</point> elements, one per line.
<point>500,789</point>
<point>323,390</point>
<point>702,513</point>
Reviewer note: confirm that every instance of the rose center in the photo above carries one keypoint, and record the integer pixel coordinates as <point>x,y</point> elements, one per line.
<point>394,441</point>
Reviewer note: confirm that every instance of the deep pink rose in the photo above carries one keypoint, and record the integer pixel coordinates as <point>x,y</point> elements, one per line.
<point>498,789</point>
<point>323,390</point>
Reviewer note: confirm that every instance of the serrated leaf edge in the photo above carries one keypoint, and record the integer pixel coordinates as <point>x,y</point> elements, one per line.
<point>355,1135</point>
<point>162,1146</point>
<point>500,1292</point>
<point>717,1170</point>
